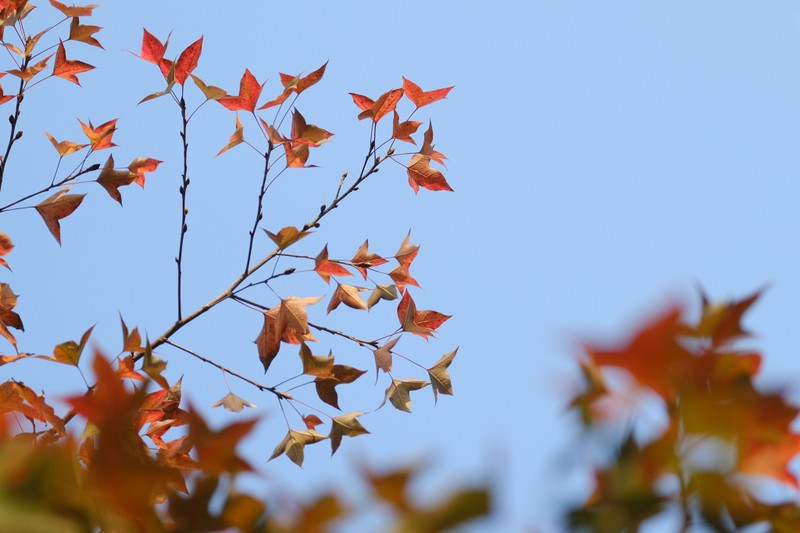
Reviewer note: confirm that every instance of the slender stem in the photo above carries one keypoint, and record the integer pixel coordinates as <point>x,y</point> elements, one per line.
<point>184,209</point>
<point>13,135</point>
<point>87,170</point>
<point>360,342</point>
<point>260,209</point>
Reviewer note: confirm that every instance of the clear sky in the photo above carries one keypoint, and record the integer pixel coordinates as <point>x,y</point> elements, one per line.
<point>606,157</point>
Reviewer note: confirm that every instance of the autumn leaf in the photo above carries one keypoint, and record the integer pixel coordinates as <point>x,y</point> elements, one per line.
<point>8,317</point>
<point>401,277</point>
<point>296,156</point>
<point>326,268</point>
<point>422,98</point>
<point>345,425</point>
<point>216,450</point>
<point>268,341</point>
<point>316,365</point>
<point>154,366</point>
<point>236,138</point>
<point>721,322</point>
<point>311,421</point>
<point>112,179</point>
<point>407,252</point>
<point>298,84</point>
<point>381,292</point>
<point>68,69</point>
<point>28,73</point>
<point>287,322</point>
<point>5,247</point>
<point>187,61</point>
<point>249,91</point>
<point>233,403</point>
<point>422,174</point>
<point>326,388</point>
<point>427,146</point>
<point>402,130</point>
<point>364,260</point>
<point>152,49</point>
<point>70,352</point>
<point>142,165</point>
<point>348,295</point>
<point>440,377</point>
<point>64,148</point>
<point>209,91</point>
<point>131,341</point>
<point>100,137</point>
<point>18,397</point>
<point>293,314</point>
<point>57,207</point>
<point>83,33</point>
<point>125,369</point>
<point>294,443</point>
<point>422,323</point>
<point>287,236</point>
<point>73,11</point>
<point>5,97</point>
<point>308,134</point>
<point>378,109</point>
<point>383,357</point>
<point>399,393</point>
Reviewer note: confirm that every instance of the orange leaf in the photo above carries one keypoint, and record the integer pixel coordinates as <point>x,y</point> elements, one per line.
<point>422,323</point>
<point>422,174</point>
<point>111,179</point>
<point>296,156</point>
<point>326,268</point>
<point>407,252</point>
<point>65,148</point>
<point>100,137</point>
<point>402,130</point>
<point>187,61</point>
<point>363,102</point>
<point>382,106</point>
<point>268,341</point>
<point>307,133</point>
<point>348,295</point>
<point>73,11</point>
<point>83,33</point>
<point>249,91</point>
<point>5,247</point>
<point>299,84</point>
<point>236,138</point>
<point>421,98</point>
<point>28,73</point>
<point>67,69</point>
<point>5,97</point>
<point>427,147</point>
<point>287,236</point>
<point>364,260</point>
<point>56,207</point>
<point>152,49</point>
<point>311,421</point>
<point>140,166</point>
<point>401,277</point>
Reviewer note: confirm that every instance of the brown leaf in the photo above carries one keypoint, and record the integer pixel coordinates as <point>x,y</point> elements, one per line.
<point>440,377</point>
<point>345,426</point>
<point>56,207</point>
<point>111,179</point>
<point>294,443</point>
<point>326,388</point>
<point>422,174</point>
<point>348,295</point>
<point>5,247</point>
<point>316,365</point>
<point>83,33</point>
<point>73,11</point>
<point>399,391</point>
<point>65,148</point>
<point>383,357</point>
<point>233,403</point>
<point>364,260</point>
<point>381,292</point>
<point>422,323</point>
<point>70,352</point>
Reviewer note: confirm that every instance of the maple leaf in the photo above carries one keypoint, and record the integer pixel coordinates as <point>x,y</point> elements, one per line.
<point>18,397</point>
<point>345,425</point>
<point>142,165</point>
<point>422,323</point>
<point>399,393</point>
<point>309,134</point>
<point>402,130</point>
<point>187,61</point>
<point>100,137</point>
<point>348,295</point>
<point>287,236</point>
<point>364,260</point>
<point>407,252</point>
<point>326,268</point>
<point>721,321</point>
<point>211,92</point>
<point>299,84</point>
<point>378,109</point>
<point>422,98</point>
<point>5,97</point>
<point>236,138</point>
<point>70,352</point>
<point>112,179</point>
<point>311,421</point>
<point>296,156</point>
<point>422,174</point>
<point>440,377</point>
<point>383,357</point>
<point>5,247</point>
<point>68,69</point>
<point>363,102</point>
<point>316,365</point>
<point>153,366</point>
<point>402,277</point>
<point>427,146</point>
<point>326,388</point>
<point>131,341</point>
<point>231,402</point>
<point>294,443</point>
<point>73,11</point>
<point>84,33</point>
<point>287,322</point>
<point>28,73</point>
<point>125,369</point>
<point>293,316</point>
<point>216,450</point>
<point>249,91</point>
<point>56,207</point>
<point>9,318</point>
<point>64,148</point>
<point>152,49</point>
<point>381,292</point>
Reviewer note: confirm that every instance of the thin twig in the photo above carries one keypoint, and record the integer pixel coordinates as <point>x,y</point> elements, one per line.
<point>184,210</point>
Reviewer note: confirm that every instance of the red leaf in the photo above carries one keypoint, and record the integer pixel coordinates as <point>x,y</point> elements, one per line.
<point>421,98</point>
<point>382,106</point>
<point>100,136</point>
<point>326,268</point>
<point>142,165</point>
<point>422,323</point>
<point>422,174</point>
<point>187,61</point>
<point>152,49</point>
<point>249,91</point>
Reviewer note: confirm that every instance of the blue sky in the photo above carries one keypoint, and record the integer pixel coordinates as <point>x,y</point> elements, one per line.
<point>606,158</point>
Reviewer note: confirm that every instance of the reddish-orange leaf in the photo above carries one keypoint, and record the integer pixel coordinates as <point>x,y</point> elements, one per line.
<point>83,33</point>
<point>311,421</point>
<point>296,156</point>
<point>363,102</point>
<point>421,98</point>
<point>18,397</point>
<point>382,106</point>
<point>427,147</point>
<point>277,101</point>
<point>31,71</point>
<point>268,342</point>
<point>326,268</point>
<point>73,11</point>
<point>187,61</point>
<point>407,252</point>
<point>142,165</point>
<point>422,323</point>
<point>112,179</point>
<point>5,97</point>
<point>152,49</point>
<point>422,174</point>
<point>402,130</point>
<point>125,369</point>
<point>249,91</point>
<point>307,133</point>
<point>216,450</point>
<point>5,247</point>
<point>56,207</point>
<point>237,137</point>
<point>721,322</point>
<point>299,84</point>
<point>364,260</point>
<point>65,148</point>
<point>100,136</point>
<point>131,341</point>
<point>401,277</point>
<point>68,69</point>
